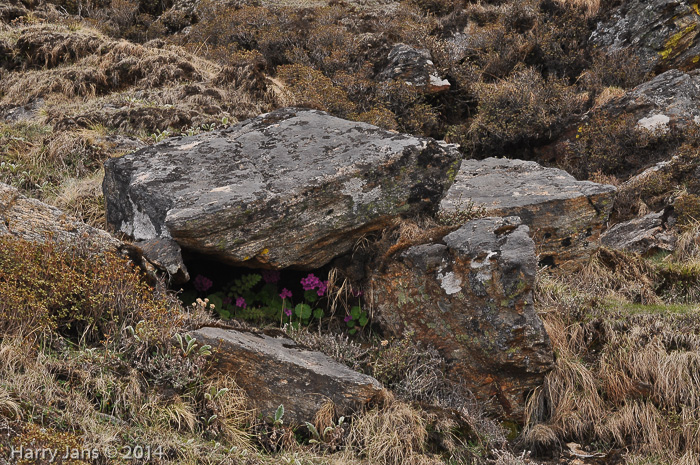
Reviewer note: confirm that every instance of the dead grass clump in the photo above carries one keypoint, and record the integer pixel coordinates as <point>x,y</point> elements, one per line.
<point>310,88</point>
<point>616,274</point>
<point>591,7</point>
<point>626,374</point>
<point>393,435</point>
<point>71,82</point>
<point>82,198</point>
<point>100,69</point>
<point>45,46</point>
<point>127,64</point>
<point>521,110</point>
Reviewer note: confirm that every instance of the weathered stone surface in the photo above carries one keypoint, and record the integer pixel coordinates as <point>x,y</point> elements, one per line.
<point>670,99</point>
<point>565,216</point>
<point>36,221</point>
<point>663,34</point>
<point>166,255</point>
<point>290,188</point>
<point>471,299</point>
<point>646,236</point>
<point>414,66</point>
<point>274,371</point>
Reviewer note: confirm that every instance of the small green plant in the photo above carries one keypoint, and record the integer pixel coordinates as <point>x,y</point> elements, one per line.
<point>188,345</point>
<point>357,319</point>
<point>328,431</point>
<point>159,135</point>
<point>278,418</point>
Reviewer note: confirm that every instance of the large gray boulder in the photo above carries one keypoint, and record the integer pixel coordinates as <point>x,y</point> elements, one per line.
<point>663,34</point>
<point>565,216</point>
<point>274,371</point>
<point>469,295</point>
<point>292,188</point>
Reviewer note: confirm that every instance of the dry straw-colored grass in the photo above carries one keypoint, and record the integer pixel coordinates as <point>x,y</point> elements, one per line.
<point>590,6</point>
<point>392,435</point>
<point>627,372</point>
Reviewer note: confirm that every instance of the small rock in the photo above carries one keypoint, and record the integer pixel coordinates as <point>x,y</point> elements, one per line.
<point>670,99</point>
<point>565,216</point>
<point>165,254</point>
<point>646,236</point>
<point>274,371</point>
<point>415,67</point>
<point>470,297</point>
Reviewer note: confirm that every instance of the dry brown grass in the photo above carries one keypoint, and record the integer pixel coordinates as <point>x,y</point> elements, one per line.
<point>590,6</point>
<point>393,435</point>
<point>82,198</point>
<point>85,63</point>
<point>626,374</point>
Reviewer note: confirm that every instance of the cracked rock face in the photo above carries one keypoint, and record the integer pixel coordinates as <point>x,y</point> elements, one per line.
<point>274,371</point>
<point>470,297</point>
<point>291,188</point>
<point>663,34</point>
<point>35,221</point>
<point>565,216</point>
<point>670,99</point>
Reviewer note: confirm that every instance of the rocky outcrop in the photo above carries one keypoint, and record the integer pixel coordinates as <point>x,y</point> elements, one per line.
<point>415,67</point>
<point>470,297</point>
<point>663,34</point>
<point>565,216</point>
<point>36,221</point>
<point>646,236</point>
<point>292,188</point>
<point>274,371</point>
<point>670,99</point>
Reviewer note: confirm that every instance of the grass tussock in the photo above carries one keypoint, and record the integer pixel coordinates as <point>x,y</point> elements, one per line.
<point>393,435</point>
<point>628,358</point>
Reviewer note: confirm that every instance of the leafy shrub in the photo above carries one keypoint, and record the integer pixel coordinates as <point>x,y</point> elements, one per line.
<point>47,288</point>
<point>311,88</point>
<point>614,145</point>
<point>519,111</point>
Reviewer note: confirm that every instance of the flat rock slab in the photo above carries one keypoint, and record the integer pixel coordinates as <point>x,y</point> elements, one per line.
<point>565,216</point>
<point>662,34</point>
<point>470,297</point>
<point>274,371</point>
<point>646,236</point>
<point>36,221</point>
<point>292,188</point>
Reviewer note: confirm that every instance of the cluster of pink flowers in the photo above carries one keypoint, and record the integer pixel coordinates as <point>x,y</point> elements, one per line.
<point>311,282</point>
<point>202,283</point>
<point>240,302</point>
<point>286,293</point>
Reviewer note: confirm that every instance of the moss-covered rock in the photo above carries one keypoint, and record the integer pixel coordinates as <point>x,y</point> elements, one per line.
<point>663,34</point>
